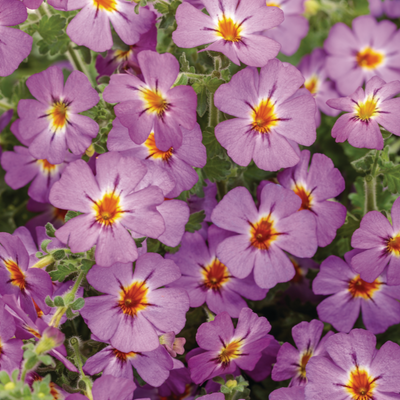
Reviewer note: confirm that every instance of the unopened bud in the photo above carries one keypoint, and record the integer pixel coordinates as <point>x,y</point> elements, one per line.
<point>90,151</point>
<point>44,262</point>
<point>51,338</point>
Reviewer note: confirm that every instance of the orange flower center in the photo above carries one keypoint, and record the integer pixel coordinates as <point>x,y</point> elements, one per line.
<point>122,357</point>
<point>60,214</point>
<point>368,109</point>
<point>108,209</point>
<point>305,197</point>
<point>360,288</point>
<point>46,167</point>
<point>154,102</point>
<point>264,117</point>
<point>229,352</point>
<point>106,5</point>
<point>311,84</point>
<point>305,357</point>
<point>229,30</point>
<point>215,275</point>
<point>360,385</point>
<point>58,115</point>
<point>33,332</point>
<point>154,152</point>
<point>133,298</point>
<point>272,4</point>
<point>39,312</point>
<point>393,245</point>
<point>262,233</point>
<point>298,277</point>
<point>17,277</point>
<point>369,58</point>
<point>122,55</point>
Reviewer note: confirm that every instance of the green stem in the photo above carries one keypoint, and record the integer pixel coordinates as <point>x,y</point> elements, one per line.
<point>88,383</point>
<point>6,106</point>
<point>222,189</point>
<point>214,115</point>
<point>370,187</point>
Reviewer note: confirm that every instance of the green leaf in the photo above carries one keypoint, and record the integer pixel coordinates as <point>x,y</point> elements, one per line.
<point>183,80</point>
<point>364,164</point>
<point>46,360</point>
<point>58,254</point>
<point>349,227</point>
<point>202,101</point>
<point>214,84</point>
<point>226,75</point>
<point>62,272</point>
<point>44,245</point>
<point>139,241</point>
<point>391,178</point>
<point>99,149</point>
<point>210,141</point>
<point>171,250</point>
<point>59,301</point>
<point>48,301</point>
<point>71,214</point>
<point>86,54</point>
<point>78,304</point>
<point>87,264</point>
<point>162,7</point>
<point>50,230</point>
<point>185,66</point>
<point>217,169</point>
<point>50,28</point>
<point>195,220</point>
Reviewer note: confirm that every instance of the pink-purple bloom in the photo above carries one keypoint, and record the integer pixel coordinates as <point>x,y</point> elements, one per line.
<point>366,110</point>
<point>263,234</point>
<point>377,301</point>
<point>273,116</point>
<point>52,123</point>
<point>355,56</point>
<point>312,66</point>
<point>291,362</point>
<point>391,8</point>
<point>178,162</point>
<point>315,186</point>
<point>294,27</point>
<point>224,348</point>
<point>380,242</point>
<point>289,393</point>
<point>207,279</point>
<point>233,27</point>
<point>15,45</point>
<point>354,369</point>
<point>152,105</point>
<point>134,308</point>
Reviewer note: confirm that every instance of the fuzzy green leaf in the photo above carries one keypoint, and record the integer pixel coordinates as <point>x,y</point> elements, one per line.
<point>195,220</point>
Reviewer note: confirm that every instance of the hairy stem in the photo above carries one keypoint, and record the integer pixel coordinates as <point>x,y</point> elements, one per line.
<point>370,187</point>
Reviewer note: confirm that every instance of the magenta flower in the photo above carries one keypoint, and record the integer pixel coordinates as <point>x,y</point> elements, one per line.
<point>126,60</point>
<point>355,56</point>
<point>152,366</point>
<point>29,285</point>
<point>52,123</point>
<point>273,116</point>
<point>315,186</point>
<point>111,203</point>
<point>152,105</point>
<point>355,369</point>
<point>291,362</point>
<point>366,111</point>
<point>263,234</point>
<point>312,66</point>
<point>206,203</point>
<point>232,27</point>
<point>377,301</point>
<point>10,349</point>
<point>177,162</point>
<point>91,27</point>
<point>15,45</point>
<point>389,7</point>
<point>290,393</point>
<point>208,280</point>
<point>109,387</point>
<point>294,28</point>
<point>225,348</point>
<point>134,310</point>
<point>380,242</point>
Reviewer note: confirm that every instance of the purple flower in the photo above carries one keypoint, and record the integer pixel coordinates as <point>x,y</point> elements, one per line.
<point>10,349</point>
<point>232,27</point>
<point>381,244</point>
<point>134,309</point>
<point>263,234</point>
<point>126,60</point>
<point>15,45</point>
<point>111,203</point>
<point>27,284</point>
<point>225,348</point>
<point>109,387</point>
<point>52,123</point>
<point>152,366</point>
<point>294,28</point>
<point>355,56</point>
<point>206,203</point>
<point>152,105</point>
<point>377,302</point>
<point>312,66</point>
<point>91,27</point>
<point>207,279</point>
<point>273,116</point>
<point>177,162</point>
<point>355,369</point>
<point>172,344</point>
<point>291,362</point>
<point>315,186</point>
<point>366,111</point>
<point>389,7</point>
<point>21,168</point>
<point>290,393</point>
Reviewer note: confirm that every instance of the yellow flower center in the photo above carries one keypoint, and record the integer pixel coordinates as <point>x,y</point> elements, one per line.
<point>215,275</point>
<point>361,288</point>
<point>46,167</point>
<point>298,277</point>
<point>262,233</point>
<point>311,84</point>
<point>122,55</point>
<point>305,357</point>
<point>361,385</point>
<point>264,117</point>
<point>154,102</point>
<point>229,30</point>
<point>122,357</point>
<point>133,298</point>
<point>369,58</point>
<point>393,245</point>
<point>108,209</point>
<point>229,352</point>
<point>58,116</point>
<point>154,152</point>
<point>305,197</point>
<point>272,4</point>
<point>17,277</point>
<point>106,5</point>
<point>368,109</point>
